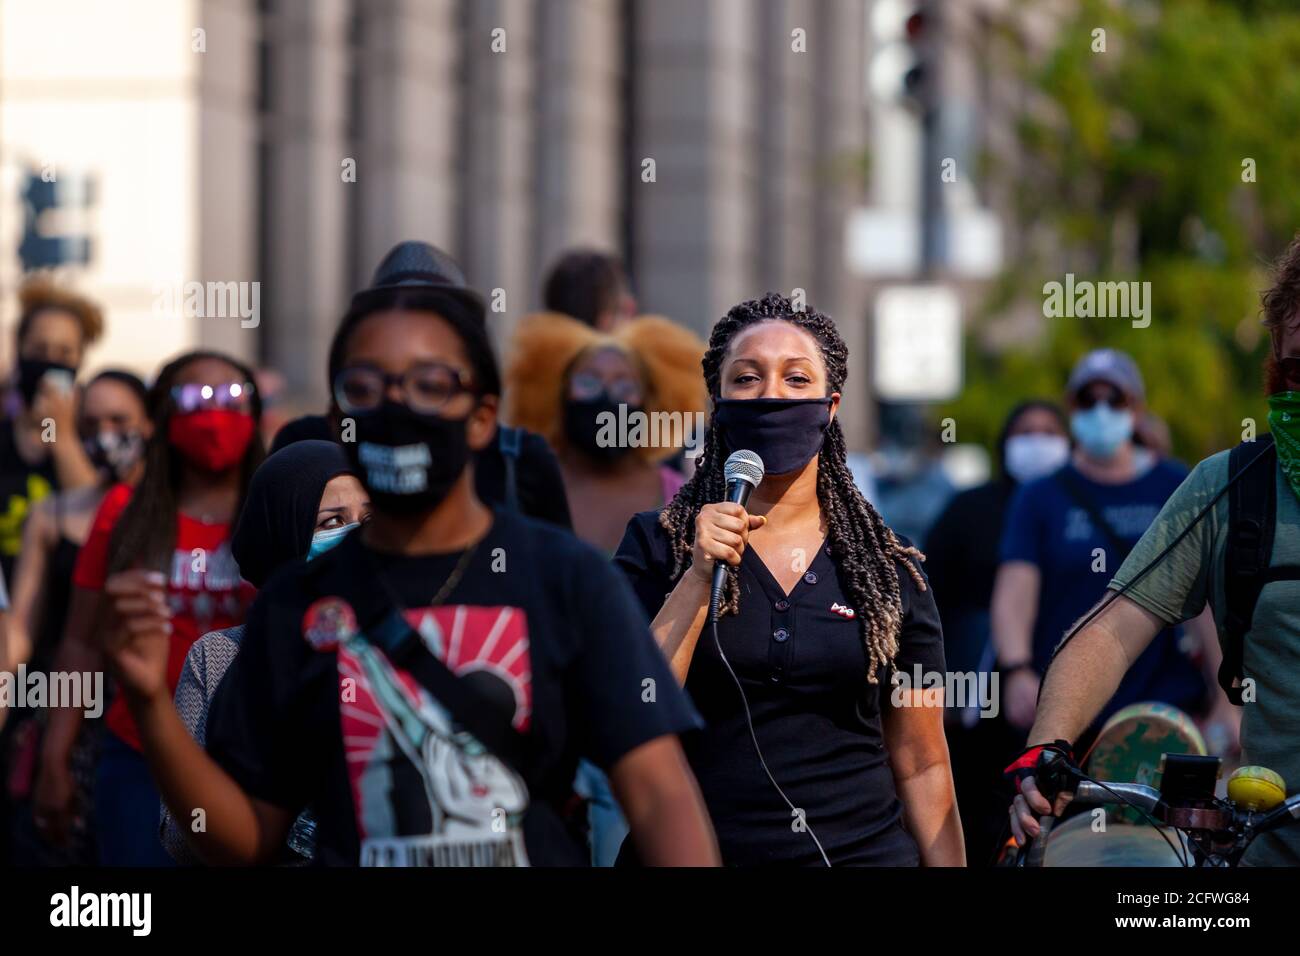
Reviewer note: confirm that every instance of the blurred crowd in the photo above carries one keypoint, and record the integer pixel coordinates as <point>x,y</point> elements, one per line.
<point>102,472</point>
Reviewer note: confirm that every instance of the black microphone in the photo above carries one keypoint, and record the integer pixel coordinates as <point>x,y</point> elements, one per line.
<point>743,471</point>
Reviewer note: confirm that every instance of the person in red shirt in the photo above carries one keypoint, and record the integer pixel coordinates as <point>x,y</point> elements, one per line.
<point>205,447</point>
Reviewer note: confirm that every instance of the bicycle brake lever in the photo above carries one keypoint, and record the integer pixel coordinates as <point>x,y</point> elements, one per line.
<point>1054,773</point>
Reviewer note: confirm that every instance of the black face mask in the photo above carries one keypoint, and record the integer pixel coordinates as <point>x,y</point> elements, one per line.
<point>584,427</point>
<point>30,373</point>
<point>407,461</point>
<point>785,432</point>
<point>114,453</point>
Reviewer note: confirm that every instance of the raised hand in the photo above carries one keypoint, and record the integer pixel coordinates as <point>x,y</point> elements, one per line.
<point>137,640</point>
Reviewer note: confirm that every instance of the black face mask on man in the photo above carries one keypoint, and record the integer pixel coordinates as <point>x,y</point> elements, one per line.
<point>408,461</point>
<point>785,432</point>
<point>587,429</point>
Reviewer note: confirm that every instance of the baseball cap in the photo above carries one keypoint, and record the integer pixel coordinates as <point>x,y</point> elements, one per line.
<point>1110,366</point>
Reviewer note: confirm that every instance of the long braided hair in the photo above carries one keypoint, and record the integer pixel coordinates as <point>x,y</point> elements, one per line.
<point>861,545</point>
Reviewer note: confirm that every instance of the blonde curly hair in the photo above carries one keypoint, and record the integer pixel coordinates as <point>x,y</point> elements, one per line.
<point>41,293</point>
<point>547,344</point>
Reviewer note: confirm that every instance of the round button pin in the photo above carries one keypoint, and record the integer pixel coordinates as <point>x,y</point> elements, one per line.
<point>328,622</point>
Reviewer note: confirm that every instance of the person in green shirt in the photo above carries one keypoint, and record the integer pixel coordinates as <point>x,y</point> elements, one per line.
<point>1089,667</point>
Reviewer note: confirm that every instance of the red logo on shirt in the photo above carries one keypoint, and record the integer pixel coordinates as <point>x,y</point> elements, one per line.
<point>842,610</point>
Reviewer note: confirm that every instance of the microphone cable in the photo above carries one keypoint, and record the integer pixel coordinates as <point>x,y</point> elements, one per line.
<point>749,721</point>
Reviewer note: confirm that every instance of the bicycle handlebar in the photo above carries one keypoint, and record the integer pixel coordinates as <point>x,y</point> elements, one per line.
<point>1138,794</point>
<point>1286,812</point>
<point>1146,798</point>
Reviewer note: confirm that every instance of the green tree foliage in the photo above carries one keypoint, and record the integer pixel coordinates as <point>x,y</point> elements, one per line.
<point>1135,165</point>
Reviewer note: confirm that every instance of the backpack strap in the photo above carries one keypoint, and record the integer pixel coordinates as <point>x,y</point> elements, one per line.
<point>510,443</point>
<point>1252,515</point>
<point>1080,497</point>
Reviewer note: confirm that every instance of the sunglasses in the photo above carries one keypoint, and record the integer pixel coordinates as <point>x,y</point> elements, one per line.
<point>196,395</point>
<point>1087,399</point>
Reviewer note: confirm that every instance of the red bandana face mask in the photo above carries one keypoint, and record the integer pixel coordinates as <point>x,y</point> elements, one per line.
<point>213,439</point>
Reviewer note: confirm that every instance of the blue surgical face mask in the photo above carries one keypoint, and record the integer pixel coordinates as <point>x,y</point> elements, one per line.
<point>1101,430</point>
<point>323,541</point>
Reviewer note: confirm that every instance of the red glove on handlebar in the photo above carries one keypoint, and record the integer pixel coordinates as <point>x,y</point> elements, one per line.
<point>1026,764</point>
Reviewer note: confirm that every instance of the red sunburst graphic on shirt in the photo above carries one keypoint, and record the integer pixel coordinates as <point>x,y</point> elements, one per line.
<point>466,639</point>
<point>494,639</point>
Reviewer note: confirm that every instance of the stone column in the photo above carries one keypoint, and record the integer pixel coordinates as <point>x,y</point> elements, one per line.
<point>841,135</point>
<point>790,154</point>
<point>304,287</point>
<point>694,242</point>
<point>408,70</point>
<point>579,135</point>
<point>498,156</point>
<point>227,159</point>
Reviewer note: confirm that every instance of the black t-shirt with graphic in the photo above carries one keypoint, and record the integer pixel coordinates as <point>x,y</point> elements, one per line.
<point>22,486</point>
<point>547,633</point>
<point>803,664</point>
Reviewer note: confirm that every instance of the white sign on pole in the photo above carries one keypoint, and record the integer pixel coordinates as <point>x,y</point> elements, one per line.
<point>918,344</point>
<point>883,242</point>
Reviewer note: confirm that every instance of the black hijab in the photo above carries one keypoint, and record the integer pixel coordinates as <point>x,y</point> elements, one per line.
<point>279,515</point>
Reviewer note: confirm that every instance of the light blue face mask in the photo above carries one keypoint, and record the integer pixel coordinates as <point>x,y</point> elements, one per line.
<point>1101,430</point>
<point>323,541</point>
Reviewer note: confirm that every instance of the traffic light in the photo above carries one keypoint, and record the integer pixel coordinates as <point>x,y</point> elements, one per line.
<point>45,198</point>
<point>900,69</point>
<point>917,75</point>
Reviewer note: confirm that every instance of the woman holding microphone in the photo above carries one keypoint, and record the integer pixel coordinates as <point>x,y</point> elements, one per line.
<point>813,752</point>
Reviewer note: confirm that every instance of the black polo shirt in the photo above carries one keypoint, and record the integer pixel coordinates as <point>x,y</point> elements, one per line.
<point>803,663</point>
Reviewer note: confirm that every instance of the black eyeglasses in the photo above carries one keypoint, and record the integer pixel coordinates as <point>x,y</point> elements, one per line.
<point>1086,398</point>
<point>426,387</point>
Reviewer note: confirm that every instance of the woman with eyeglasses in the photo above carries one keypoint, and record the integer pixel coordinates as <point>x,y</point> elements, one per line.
<point>177,523</point>
<point>428,686</point>
<point>594,396</point>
